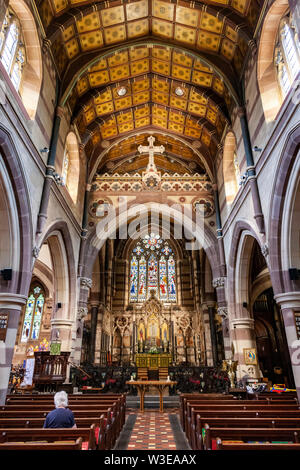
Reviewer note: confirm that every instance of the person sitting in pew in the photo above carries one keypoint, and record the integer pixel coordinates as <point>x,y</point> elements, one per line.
<point>62,416</point>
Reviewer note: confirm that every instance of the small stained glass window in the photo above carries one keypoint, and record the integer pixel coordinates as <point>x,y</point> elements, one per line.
<point>33,315</point>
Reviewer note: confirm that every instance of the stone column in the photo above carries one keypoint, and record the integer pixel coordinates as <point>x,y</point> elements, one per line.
<point>243,336</point>
<point>207,335</point>
<point>50,170</point>
<point>251,173</point>
<point>82,310</point>
<point>213,335</point>
<point>178,278</point>
<point>98,339</point>
<point>290,304</point>
<point>223,312</point>
<point>11,304</point>
<point>102,255</point>
<point>110,247</point>
<point>219,232</point>
<point>94,316</point>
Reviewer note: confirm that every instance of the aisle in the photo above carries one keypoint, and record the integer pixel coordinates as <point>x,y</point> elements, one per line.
<point>152,430</point>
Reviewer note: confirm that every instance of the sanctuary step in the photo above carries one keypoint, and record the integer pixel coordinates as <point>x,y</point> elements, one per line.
<point>152,402</point>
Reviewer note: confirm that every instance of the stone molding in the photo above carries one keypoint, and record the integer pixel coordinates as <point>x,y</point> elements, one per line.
<point>86,282</point>
<point>223,312</point>
<point>12,301</point>
<point>243,323</point>
<point>218,282</point>
<point>82,312</point>
<point>288,300</point>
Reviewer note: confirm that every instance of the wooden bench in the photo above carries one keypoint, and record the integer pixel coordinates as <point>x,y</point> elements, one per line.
<point>219,411</point>
<point>195,400</point>
<point>42,445</point>
<point>49,435</point>
<point>204,415</point>
<point>253,434</point>
<point>253,446</point>
<point>230,423</point>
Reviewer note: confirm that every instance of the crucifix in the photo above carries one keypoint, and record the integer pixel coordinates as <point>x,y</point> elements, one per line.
<point>152,150</point>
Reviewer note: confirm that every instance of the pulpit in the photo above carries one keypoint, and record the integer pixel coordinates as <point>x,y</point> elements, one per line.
<point>50,370</point>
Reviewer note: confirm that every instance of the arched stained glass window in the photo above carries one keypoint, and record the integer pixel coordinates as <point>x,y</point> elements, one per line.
<point>287,54</point>
<point>152,268</point>
<point>65,168</point>
<point>33,314</point>
<point>12,50</point>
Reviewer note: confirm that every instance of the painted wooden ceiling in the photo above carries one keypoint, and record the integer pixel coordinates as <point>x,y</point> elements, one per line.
<point>124,157</point>
<point>149,48</point>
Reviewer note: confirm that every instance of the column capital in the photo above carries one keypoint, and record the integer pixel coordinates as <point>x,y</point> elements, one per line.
<point>94,303</point>
<point>288,299</point>
<point>243,323</point>
<point>12,301</point>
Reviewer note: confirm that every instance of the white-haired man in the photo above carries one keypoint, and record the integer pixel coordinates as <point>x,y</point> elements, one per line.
<point>62,416</point>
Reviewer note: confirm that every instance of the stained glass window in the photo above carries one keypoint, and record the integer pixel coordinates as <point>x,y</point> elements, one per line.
<point>152,268</point>
<point>12,50</point>
<point>33,315</point>
<point>287,54</point>
<point>134,270</point>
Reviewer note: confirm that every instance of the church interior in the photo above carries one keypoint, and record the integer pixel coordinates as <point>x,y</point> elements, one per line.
<point>150,244</point>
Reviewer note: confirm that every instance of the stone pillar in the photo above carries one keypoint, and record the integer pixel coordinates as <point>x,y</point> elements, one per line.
<point>98,339</point>
<point>223,312</point>
<point>290,304</point>
<point>219,232</point>
<point>110,247</point>
<point>243,336</point>
<point>50,170</point>
<point>213,335</point>
<point>102,274</point>
<point>94,317</point>
<point>11,304</point>
<point>82,310</point>
<point>178,278</point>
<point>207,335</point>
<point>251,173</point>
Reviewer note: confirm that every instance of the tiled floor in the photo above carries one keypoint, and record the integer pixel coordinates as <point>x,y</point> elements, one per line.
<point>152,431</point>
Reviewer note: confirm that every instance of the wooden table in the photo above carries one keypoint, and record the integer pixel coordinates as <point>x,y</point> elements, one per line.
<point>160,385</point>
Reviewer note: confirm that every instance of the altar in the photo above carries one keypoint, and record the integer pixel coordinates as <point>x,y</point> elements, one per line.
<point>153,361</point>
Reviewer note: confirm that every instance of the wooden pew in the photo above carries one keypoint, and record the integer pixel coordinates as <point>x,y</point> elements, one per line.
<point>199,400</point>
<point>250,434</point>
<point>42,445</point>
<point>233,422</point>
<point>242,446</point>
<point>49,435</point>
<point>233,411</point>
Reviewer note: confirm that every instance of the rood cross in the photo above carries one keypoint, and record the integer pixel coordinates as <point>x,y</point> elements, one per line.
<point>151,149</point>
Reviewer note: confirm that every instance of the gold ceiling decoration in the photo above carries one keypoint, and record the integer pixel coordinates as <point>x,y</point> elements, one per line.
<point>156,90</point>
<point>100,25</point>
<point>124,158</point>
<point>138,61</point>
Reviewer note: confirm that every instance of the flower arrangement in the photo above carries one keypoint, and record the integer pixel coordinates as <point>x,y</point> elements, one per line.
<point>153,350</point>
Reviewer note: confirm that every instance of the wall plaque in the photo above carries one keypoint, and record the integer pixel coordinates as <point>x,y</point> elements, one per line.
<point>297,323</point>
<point>3,325</point>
